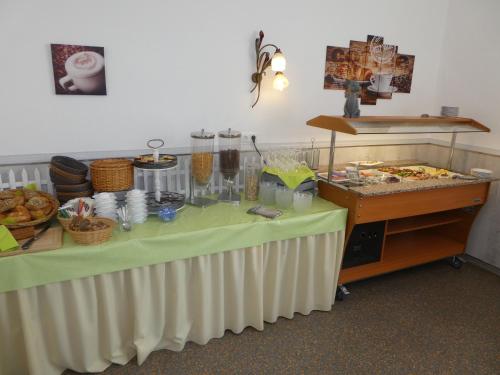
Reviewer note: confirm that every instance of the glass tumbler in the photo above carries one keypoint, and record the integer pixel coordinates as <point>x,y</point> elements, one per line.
<point>284,197</point>
<point>267,193</point>
<point>302,201</point>
<point>252,175</point>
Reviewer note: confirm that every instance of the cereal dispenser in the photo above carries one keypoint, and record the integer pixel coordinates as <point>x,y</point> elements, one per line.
<point>202,163</point>
<point>229,163</point>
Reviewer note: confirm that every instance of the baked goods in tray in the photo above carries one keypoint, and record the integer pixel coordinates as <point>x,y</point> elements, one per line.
<point>408,173</point>
<point>148,161</point>
<point>418,172</point>
<point>23,207</point>
<point>80,224</point>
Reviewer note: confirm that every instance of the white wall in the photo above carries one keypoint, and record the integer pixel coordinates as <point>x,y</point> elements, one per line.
<point>470,60</point>
<point>469,79</point>
<point>173,67</point>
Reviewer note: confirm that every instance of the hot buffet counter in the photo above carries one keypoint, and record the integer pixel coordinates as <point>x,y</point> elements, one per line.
<point>401,216</point>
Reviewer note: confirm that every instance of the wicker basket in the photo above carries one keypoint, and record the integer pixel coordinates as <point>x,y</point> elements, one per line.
<point>65,222</point>
<point>112,174</point>
<point>94,237</point>
<point>23,233</point>
<point>55,205</point>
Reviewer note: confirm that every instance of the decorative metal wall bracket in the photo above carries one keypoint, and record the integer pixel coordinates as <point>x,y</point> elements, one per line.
<point>263,61</point>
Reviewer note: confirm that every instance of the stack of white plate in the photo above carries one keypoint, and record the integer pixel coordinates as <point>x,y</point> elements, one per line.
<point>481,173</point>
<point>105,205</point>
<point>137,208</point>
<point>449,111</point>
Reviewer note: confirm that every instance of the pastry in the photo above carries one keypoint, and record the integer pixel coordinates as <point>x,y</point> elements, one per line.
<point>6,194</point>
<point>7,204</point>
<point>37,203</point>
<point>28,194</point>
<point>37,214</point>
<point>19,199</point>
<point>20,214</point>
<point>47,209</point>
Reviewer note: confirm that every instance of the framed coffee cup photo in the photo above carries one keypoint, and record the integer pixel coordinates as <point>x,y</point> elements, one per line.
<point>378,68</point>
<point>78,70</point>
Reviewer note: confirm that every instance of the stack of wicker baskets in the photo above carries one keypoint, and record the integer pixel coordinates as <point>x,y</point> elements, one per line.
<point>70,178</point>
<point>112,175</point>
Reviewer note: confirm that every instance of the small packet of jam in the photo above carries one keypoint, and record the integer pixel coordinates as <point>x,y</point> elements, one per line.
<point>267,212</point>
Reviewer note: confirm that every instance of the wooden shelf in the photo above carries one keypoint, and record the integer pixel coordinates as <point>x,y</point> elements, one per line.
<point>405,250</point>
<point>412,223</point>
<point>397,124</point>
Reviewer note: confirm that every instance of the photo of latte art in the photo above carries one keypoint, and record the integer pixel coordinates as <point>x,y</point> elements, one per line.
<point>85,61</point>
<point>78,70</point>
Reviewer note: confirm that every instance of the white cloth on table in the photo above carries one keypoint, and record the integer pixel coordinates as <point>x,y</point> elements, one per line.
<point>87,324</point>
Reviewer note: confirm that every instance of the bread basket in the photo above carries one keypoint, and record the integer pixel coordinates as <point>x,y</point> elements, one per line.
<point>65,222</point>
<point>93,237</point>
<point>112,174</point>
<point>55,205</point>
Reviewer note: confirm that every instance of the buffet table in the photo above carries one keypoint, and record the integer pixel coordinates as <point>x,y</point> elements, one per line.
<point>163,284</point>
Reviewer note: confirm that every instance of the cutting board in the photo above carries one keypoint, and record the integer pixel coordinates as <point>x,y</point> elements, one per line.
<point>52,239</point>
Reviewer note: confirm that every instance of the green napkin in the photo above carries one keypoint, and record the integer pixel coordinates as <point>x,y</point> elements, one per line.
<point>292,179</point>
<point>7,241</point>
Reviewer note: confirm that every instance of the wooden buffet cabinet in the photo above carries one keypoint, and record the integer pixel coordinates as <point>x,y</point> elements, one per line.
<point>416,224</point>
<point>419,226</point>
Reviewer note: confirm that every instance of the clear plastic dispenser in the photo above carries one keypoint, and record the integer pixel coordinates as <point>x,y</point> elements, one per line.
<point>229,163</point>
<point>202,166</point>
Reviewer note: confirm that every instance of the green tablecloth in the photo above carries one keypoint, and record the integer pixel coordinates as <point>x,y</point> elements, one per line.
<point>196,231</point>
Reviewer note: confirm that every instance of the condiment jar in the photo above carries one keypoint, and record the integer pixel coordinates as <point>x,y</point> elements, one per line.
<point>252,177</point>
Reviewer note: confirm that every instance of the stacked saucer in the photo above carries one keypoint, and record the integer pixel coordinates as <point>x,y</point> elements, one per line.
<point>137,208</point>
<point>105,205</point>
<point>449,111</point>
<point>481,173</point>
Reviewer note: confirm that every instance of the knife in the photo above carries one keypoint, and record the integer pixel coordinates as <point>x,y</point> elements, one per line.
<point>28,243</point>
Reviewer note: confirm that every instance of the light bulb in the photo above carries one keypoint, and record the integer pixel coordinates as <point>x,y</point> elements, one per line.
<point>280,82</point>
<point>278,62</point>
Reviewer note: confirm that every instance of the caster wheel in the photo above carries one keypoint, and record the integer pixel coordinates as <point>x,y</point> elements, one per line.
<point>456,263</point>
<point>341,293</point>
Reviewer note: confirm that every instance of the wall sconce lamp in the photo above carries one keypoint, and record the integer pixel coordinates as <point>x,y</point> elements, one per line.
<point>263,61</point>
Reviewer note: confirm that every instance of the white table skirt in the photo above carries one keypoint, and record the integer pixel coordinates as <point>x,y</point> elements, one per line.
<point>89,323</point>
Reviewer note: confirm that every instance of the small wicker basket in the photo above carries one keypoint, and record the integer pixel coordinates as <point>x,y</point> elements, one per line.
<point>65,222</point>
<point>93,237</point>
<point>112,174</point>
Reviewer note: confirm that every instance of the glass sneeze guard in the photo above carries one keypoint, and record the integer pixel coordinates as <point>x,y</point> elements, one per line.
<point>395,125</point>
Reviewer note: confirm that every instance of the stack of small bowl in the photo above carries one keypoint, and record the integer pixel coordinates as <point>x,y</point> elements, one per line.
<point>137,208</point>
<point>105,205</point>
<point>70,178</point>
